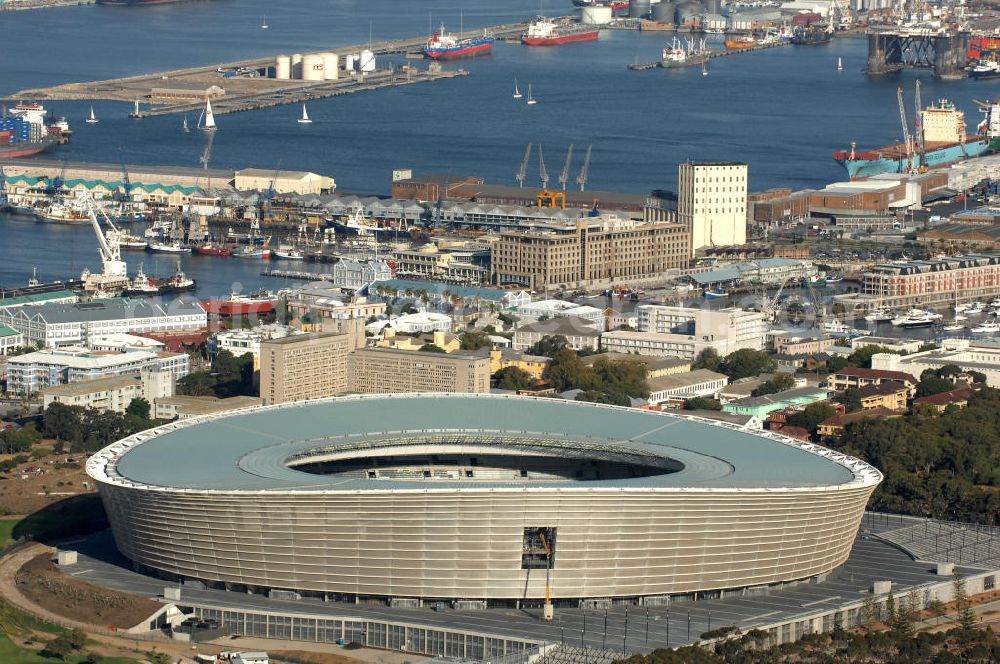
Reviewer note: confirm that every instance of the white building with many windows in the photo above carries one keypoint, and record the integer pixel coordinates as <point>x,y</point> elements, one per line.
<point>55,325</point>
<point>30,373</point>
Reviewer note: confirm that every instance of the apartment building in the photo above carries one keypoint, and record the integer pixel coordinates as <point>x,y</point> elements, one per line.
<point>387,370</point>
<point>861,377</point>
<point>593,250</point>
<point>684,346</point>
<point>930,282</point>
<point>580,333</point>
<point>113,393</point>
<point>683,386</point>
<point>712,203</point>
<point>737,328</point>
<point>981,356</point>
<point>30,373</point>
<point>301,367</point>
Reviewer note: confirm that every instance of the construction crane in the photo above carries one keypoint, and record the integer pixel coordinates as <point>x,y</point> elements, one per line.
<point>547,611</point>
<point>266,204</point>
<point>523,172</point>
<point>918,128</point>
<point>55,185</point>
<point>543,174</point>
<point>581,179</point>
<point>564,176</point>
<point>907,139</point>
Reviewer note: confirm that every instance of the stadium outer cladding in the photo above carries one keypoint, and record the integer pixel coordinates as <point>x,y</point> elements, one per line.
<point>215,499</point>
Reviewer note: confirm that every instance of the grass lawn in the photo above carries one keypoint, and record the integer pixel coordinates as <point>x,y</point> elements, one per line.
<point>6,527</point>
<point>12,654</point>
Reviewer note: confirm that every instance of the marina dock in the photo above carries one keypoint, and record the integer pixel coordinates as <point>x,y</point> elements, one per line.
<point>251,84</point>
<point>644,66</point>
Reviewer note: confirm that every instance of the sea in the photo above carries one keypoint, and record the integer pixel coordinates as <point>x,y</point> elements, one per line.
<point>782,110</point>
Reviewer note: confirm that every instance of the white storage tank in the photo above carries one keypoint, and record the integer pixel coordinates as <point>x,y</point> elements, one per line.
<point>348,62</point>
<point>312,67</point>
<point>283,67</point>
<point>331,62</point>
<point>367,63</point>
<point>297,65</point>
<point>596,15</point>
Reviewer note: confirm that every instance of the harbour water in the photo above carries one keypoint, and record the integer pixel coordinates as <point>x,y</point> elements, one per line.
<point>783,110</point>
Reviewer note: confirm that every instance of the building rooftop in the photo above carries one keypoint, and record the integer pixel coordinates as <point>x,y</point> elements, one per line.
<point>252,450</point>
<point>76,358</point>
<point>564,325</point>
<point>860,416</point>
<point>780,397</point>
<point>37,298</point>
<point>85,387</point>
<point>676,381</point>
<point>194,406</point>
<point>945,398</point>
<point>6,331</point>
<point>652,362</point>
<point>876,374</point>
<point>110,309</point>
<point>881,389</point>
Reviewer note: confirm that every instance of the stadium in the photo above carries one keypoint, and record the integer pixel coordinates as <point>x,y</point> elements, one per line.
<point>484,498</point>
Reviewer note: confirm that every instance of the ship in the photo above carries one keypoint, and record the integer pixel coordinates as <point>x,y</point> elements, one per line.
<point>739,42</point>
<point>545,32</point>
<point>24,132</point>
<point>58,213</point>
<point>985,69</point>
<point>442,46</point>
<point>679,54</point>
<point>944,140</point>
<point>259,302</point>
<point>817,33</point>
<point>167,248</point>
<point>211,250</point>
<point>612,4</point>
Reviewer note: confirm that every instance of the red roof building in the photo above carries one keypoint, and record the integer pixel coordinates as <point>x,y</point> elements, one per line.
<point>858,377</point>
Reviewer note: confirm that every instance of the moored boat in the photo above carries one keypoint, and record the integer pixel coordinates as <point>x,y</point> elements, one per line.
<point>443,46</point>
<point>547,32</point>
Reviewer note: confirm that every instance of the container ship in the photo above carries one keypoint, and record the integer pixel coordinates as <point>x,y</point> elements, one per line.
<point>24,132</point>
<point>442,46</point>
<point>944,138</point>
<point>543,32</point>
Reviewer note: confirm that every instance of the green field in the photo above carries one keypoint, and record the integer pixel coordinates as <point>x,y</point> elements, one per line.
<point>6,527</point>
<point>12,654</point>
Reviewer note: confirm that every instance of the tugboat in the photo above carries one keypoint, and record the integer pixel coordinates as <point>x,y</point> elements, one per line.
<point>679,54</point>
<point>210,249</point>
<point>141,286</point>
<point>179,283</point>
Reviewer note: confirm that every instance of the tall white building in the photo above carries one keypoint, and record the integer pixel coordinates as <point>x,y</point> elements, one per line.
<point>735,327</point>
<point>712,202</point>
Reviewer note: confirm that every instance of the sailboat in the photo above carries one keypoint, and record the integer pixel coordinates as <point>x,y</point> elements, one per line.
<point>263,24</point>
<point>305,116</point>
<point>93,118</point>
<point>704,69</point>
<point>185,125</point>
<point>531,100</point>
<point>840,64</point>
<point>209,117</point>
<point>517,93</point>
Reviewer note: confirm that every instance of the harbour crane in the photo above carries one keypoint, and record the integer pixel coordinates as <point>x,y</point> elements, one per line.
<point>564,176</point>
<point>55,185</point>
<point>581,179</point>
<point>543,174</point>
<point>523,171</point>
<point>907,139</point>
<point>918,128</point>
<point>266,204</point>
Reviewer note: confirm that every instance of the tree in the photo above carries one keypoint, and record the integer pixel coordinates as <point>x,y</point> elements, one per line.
<point>431,348</point>
<point>155,657</point>
<point>549,345</point>
<point>851,398</point>
<point>57,648</point>
<point>138,407</point>
<point>966,618</point>
<point>745,363</point>
<point>702,403</point>
<point>933,384</point>
<point>513,378</point>
<point>598,396</point>
<point>707,359</point>
<point>779,383</point>
<point>810,417</point>
<point>78,639</point>
<point>474,340</point>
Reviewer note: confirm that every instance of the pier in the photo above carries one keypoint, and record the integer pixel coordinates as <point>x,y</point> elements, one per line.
<point>645,66</point>
<point>253,86</point>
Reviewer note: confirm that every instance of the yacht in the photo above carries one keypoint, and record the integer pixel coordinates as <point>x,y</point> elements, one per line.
<point>975,308</point>
<point>987,327</point>
<point>916,318</point>
<point>880,315</point>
